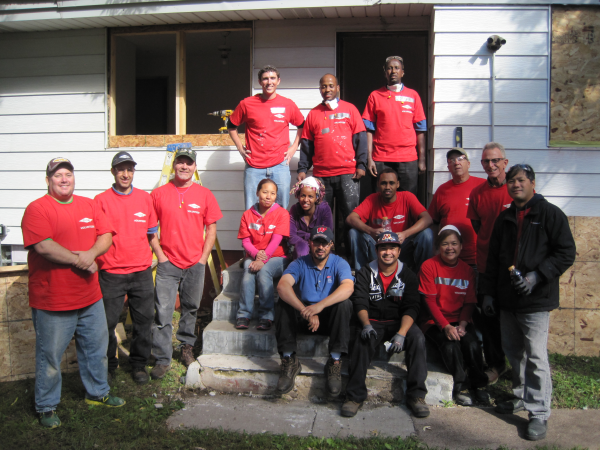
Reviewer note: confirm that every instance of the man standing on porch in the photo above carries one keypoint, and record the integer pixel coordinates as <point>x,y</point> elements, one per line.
<point>267,152</point>
<point>396,124</point>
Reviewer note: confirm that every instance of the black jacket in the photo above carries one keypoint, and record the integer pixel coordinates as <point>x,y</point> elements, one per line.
<point>546,246</point>
<point>401,299</point>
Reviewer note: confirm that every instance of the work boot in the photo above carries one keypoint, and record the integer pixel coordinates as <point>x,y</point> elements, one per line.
<point>140,375</point>
<point>333,371</point>
<point>290,367</point>
<point>510,406</point>
<point>463,398</point>
<point>418,406</point>
<point>536,429</point>
<point>187,355</point>
<point>159,371</point>
<point>49,419</point>
<point>350,408</point>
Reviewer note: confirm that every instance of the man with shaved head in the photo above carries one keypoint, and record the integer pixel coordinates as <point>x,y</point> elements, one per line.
<point>334,143</point>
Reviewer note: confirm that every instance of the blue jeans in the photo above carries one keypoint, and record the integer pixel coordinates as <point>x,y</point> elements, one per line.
<point>280,174</point>
<point>525,342</point>
<point>266,293</point>
<point>169,280</point>
<point>415,250</point>
<point>53,332</point>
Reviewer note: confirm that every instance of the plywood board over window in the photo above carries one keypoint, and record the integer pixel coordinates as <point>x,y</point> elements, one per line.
<point>575,86</point>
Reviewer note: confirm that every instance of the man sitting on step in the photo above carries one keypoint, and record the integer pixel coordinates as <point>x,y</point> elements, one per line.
<point>386,301</point>
<point>314,294</point>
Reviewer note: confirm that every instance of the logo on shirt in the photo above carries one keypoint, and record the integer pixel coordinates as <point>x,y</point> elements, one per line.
<point>254,226</point>
<point>507,206</point>
<point>85,220</point>
<point>329,279</point>
<point>272,226</point>
<point>278,110</point>
<point>407,106</point>
<point>193,205</point>
<point>281,116</point>
<point>399,216</point>
<point>140,214</point>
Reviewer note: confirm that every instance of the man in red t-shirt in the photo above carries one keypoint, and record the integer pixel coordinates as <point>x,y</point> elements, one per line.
<point>183,209</point>
<point>125,269</point>
<point>396,124</point>
<point>451,200</point>
<point>64,234</point>
<point>486,203</point>
<point>334,142</point>
<point>390,210</point>
<point>268,152</point>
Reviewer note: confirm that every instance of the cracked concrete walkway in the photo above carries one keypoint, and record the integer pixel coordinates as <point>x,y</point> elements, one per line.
<point>298,418</point>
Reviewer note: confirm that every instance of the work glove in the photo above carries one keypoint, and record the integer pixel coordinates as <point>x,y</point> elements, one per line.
<point>527,283</point>
<point>397,343</point>
<point>367,332</point>
<point>488,306</point>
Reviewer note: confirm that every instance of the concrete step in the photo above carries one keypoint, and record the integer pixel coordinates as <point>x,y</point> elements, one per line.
<point>232,278</point>
<point>226,305</point>
<point>259,375</point>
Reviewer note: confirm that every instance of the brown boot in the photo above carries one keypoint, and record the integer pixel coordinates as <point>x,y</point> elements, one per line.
<point>290,367</point>
<point>159,371</point>
<point>187,355</point>
<point>333,371</point>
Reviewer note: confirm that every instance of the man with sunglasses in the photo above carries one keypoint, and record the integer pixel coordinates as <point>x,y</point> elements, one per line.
<point>314,294</point>
<point>534,236</point>
<point>396,126</point>
<point>451,200</point>
<point>486,202</point>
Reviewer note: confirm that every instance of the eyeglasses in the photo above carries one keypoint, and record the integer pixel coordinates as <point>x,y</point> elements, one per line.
<point>457,159</point>
<point>494,161</point>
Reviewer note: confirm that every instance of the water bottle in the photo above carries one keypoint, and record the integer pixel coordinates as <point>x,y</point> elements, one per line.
<point>386,224</point>
<point>515,274</point>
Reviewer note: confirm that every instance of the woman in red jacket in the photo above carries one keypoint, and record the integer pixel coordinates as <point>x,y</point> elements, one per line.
<point>448,285</point>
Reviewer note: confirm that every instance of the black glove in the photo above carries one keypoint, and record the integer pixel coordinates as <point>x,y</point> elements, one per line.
<point>367,332</point>
<point>488,306</point>
<point>526,285</point>
<point>397,343</point>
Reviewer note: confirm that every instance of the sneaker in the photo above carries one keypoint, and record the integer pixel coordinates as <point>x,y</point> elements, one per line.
<point>264,325</point>
<point>187,355</point>
<point>510,406</point>
<point>463,398</point>
<point>536,429</point>
<point>290,367</point>
<point>49,419</point>
<point>159,371</point>
<point>140,375</point>
<point>242,323</point>
<point>107,400</point>
<point>333,372</point>
<point>418,406</point>
<point>481,395</point>
<point>494,374</point>
<point>350,408</point>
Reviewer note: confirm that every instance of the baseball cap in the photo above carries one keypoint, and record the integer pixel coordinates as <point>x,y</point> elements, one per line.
<point>387,237</point>
<point>122,157</point>
<point>54,163</point>
<point>186,152</point>
<point>321,232</point>
<point>457,149</point>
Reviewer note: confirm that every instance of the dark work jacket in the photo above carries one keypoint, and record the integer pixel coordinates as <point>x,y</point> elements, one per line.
<point>401,299</point>
<point>546,246</point>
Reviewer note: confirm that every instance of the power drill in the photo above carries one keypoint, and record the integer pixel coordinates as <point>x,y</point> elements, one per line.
<point>224,114</point>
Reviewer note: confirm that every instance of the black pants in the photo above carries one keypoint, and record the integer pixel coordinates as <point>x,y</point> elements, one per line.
<point>363,351</point>
<point>139,288</point>
<point>408,174</point>
<point>334,321</point>
<point>489,327</point>
<point>460,357</point>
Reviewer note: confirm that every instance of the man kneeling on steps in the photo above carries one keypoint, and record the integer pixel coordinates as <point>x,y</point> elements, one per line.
<point>386,301</point>
<point>314,294</point>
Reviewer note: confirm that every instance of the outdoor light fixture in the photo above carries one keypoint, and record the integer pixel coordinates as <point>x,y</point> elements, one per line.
<point>224,49</point>
<point>494,42</point>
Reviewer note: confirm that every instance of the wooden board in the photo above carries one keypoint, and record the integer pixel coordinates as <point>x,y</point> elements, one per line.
<point>460,114</point>
<point>521,44</point>
<point>575,88</point>
<point>65,84</point>
<point>35,45</point>
<point>52,104</point>
<point>52,65</point>
<point>491,20</point>
<point>49,123</point>
<point>281,57</point>
<point>480,91</point>
<point>512,137</point>
<point>55,143</point>
<point>518,67</point>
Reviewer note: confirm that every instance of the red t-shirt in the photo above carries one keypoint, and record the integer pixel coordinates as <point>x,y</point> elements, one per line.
<point>332,132</point>
<point>403,213</point>
<point>131,215</point>
<point>394,115</point>
<point>182,228</point>
<point>449,207</point>
<point>267,127</point>
<point>386,280</point>
<point>260,229</point>
<point>75,226</point>
<point>453,287</point>
<point>486,204</point>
